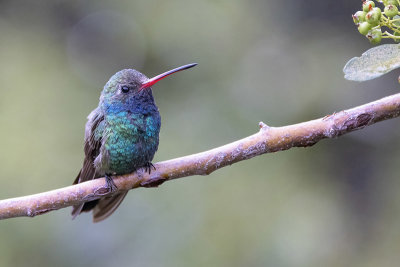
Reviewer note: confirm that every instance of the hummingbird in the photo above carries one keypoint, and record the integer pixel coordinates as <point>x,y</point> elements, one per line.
<point>121,135</point>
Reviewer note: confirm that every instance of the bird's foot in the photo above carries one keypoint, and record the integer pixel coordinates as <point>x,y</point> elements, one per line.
<point>148,166</point>
<point>110,183</point>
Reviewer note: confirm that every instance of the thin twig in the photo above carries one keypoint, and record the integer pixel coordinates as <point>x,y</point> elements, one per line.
<point>266,140</point>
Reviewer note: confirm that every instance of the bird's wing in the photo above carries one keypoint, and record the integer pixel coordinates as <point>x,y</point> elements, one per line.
<point>93,139</point>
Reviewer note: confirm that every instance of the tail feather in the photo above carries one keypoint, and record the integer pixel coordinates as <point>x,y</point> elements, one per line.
<point>102,208</point>
<point>87,206</point>
<point>84,207</point>
<point>76,210</point>
<point>106,206</point>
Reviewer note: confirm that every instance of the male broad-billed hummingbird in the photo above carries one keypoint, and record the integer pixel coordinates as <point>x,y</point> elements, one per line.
<point>121,135</point>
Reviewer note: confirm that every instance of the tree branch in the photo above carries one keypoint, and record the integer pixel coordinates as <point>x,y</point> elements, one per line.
<point>267,140</point>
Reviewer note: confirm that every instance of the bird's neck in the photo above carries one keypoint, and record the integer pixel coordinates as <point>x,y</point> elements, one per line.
<point>143,104</point>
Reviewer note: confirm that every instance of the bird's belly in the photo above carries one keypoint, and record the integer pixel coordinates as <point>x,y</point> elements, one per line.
<point>125,157</point>
<point>130,148</point>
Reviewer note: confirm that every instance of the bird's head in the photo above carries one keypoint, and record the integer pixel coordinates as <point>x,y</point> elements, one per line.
<point>130,89</point>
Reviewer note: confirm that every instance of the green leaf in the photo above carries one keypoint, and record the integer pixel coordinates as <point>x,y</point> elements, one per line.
<point>373,63</point>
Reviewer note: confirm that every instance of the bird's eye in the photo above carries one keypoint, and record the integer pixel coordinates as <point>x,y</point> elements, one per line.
<point>125,89</point>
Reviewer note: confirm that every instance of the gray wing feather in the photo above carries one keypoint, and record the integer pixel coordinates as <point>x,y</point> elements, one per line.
<point>92,149</point>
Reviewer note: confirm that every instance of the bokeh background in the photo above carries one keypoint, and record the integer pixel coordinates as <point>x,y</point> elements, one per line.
<point>334,204</point>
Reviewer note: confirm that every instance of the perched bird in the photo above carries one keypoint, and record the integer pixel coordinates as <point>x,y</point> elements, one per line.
<point>121,135</point>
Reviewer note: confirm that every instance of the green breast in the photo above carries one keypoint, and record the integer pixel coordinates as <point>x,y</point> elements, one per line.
<point>131,140</point>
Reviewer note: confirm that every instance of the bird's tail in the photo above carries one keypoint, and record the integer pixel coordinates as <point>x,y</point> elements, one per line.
<point>106,206</point>
<point>102,208</point>
<point>84,207</point>
<point>77,209</point>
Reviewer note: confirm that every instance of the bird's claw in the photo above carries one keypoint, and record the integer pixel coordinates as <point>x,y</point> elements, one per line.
<point>148,166</point>
<point>110,184</point>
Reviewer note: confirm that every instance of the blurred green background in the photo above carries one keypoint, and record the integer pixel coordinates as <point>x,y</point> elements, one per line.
<point>334,204</point>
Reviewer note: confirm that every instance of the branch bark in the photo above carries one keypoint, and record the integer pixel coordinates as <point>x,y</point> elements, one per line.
<point>266,140</point>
